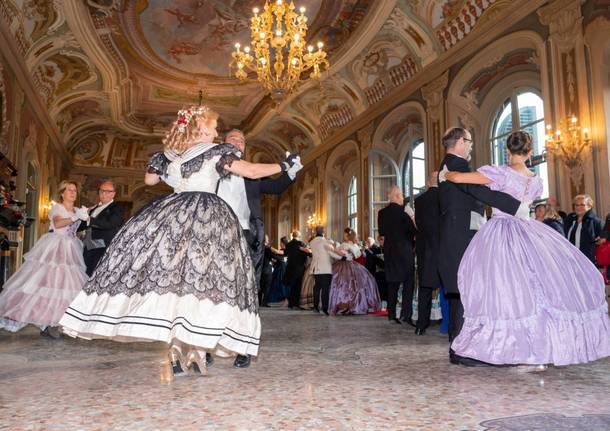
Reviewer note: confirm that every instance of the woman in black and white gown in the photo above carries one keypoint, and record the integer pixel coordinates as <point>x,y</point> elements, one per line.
<point>180,270</point>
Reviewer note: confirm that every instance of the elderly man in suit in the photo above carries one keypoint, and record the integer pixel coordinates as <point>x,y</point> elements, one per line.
<point>398,229</point>
<point>427,218</point>
<point>246,202</point>
<point>105,219</point>
<point>322,253</point>
<point>461,216</point>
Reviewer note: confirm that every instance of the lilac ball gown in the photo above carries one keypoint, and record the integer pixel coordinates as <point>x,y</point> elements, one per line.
<point>530,297</point>
<point>353,289</point>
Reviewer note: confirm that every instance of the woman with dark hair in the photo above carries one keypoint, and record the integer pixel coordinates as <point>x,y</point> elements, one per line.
<point>530,297</point>
<point>278,291</point>
<point>53,272</point>
<point>353,289</point>
<point>583,227</point>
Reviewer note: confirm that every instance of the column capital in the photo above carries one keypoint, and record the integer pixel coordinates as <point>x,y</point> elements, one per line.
<point>564,19</point>
<point>433,95</point>
<point>365,138</point>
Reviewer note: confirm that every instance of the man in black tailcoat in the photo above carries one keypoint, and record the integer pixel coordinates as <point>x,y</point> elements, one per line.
<point>374,263</point>
<point>105,219</point>
<point>398,229</point>
<point>427,218</point>
<point>462,214</point>
<point>255,231</point>
<point>296,255</point>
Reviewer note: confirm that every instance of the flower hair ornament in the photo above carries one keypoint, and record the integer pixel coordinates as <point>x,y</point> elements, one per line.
<point>185,115</point>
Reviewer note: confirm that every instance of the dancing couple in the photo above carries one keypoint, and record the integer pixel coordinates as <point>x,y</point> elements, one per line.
<point>520,293</point>
<point>180,270</point>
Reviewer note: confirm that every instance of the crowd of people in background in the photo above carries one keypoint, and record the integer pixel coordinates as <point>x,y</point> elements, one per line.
<point>319,274</point>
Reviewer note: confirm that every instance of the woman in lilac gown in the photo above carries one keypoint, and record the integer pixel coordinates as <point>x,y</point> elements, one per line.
<point>530,297</point>
<point>353,289</point>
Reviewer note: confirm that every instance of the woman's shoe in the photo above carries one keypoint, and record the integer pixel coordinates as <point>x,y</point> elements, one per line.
<point>195,364</point>
<point>174,359</point>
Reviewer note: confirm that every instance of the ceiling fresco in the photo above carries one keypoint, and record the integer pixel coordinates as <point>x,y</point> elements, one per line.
<point>196,36</point>
<point>112,73</point>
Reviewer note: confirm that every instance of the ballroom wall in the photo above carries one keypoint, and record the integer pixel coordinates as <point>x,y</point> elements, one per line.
<point>27,144</point>
<point>560,53</point>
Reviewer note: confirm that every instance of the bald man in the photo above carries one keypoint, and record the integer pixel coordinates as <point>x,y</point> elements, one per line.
<point>398,229</point>
<point>105,220</point>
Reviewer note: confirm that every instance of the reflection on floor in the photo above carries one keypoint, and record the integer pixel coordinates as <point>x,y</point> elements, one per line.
<point>313,372</point>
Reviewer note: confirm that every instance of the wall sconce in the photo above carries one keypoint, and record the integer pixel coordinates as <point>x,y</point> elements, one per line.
<point>45,210</point>
<point>569,142</point>
<point>313,221</point>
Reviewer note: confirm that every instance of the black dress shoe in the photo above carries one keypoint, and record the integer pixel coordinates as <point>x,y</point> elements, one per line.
<point>420,331</point>
<point>395,320</point>
<point>325,312</point>
<point>467,362</point>
<point>50,332</point>
<point>242,361</point>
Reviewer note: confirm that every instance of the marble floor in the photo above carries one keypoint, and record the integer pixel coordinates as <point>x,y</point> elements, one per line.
<point>313,372</point>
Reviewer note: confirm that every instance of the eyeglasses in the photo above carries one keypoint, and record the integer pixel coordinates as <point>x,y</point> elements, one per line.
<point>107,191</point>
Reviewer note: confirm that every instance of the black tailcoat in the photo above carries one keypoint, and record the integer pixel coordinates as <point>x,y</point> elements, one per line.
<point>428,220</point>
<point>457,201</point>
<point>399,231</point>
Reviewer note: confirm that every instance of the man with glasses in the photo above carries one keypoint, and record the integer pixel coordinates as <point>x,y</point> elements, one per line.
<point>462,214</point>
<point>247,201</point>
<point>105,219</point>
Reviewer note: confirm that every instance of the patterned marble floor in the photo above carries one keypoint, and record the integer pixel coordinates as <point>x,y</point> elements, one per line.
<point>313,372</point>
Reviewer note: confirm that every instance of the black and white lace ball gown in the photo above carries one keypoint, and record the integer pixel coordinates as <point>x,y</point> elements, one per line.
<point>178,271</point>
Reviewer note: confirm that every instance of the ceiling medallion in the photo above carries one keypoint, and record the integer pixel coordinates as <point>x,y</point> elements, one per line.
<point>278,54</point>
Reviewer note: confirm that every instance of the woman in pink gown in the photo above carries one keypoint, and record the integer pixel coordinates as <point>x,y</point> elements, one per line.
<point>52,274</point>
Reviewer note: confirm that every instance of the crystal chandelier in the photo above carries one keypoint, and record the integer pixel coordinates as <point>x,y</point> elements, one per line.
<point>278,54</point>
<point>568,143</point>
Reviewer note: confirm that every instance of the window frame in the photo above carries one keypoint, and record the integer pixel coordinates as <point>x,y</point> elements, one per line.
<point>407,170</point>
<point>513,100</point>
<point>352,202</point>
<point>372,204</point>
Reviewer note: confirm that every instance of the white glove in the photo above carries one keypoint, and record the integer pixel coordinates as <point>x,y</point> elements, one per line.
<point>524,211</point>
<point>82,213</point>
<point>296,167</point>
<point>409,211</point>
<point>441,174</point>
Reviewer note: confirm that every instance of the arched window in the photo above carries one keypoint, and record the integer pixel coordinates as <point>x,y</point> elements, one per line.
<point>383,174</point>
<point>414,170</point>
<point>524,110</point>
<point>352,204</point>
